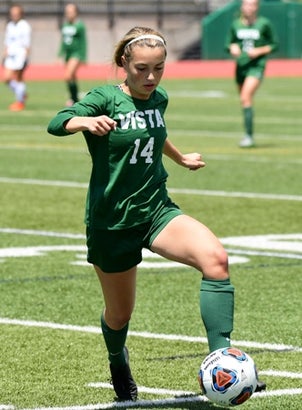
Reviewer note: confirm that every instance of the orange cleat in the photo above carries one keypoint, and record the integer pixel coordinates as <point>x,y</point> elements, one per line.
<point>17,106</point>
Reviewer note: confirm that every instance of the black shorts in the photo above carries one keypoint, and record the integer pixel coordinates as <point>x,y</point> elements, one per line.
<point>120,250</point>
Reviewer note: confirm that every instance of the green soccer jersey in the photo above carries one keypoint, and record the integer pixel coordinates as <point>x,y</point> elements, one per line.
<point>258,34</point>
<point>128,180</point>
<point>73,42</point>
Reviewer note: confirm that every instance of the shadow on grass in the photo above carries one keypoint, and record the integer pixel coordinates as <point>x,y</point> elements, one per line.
<point>192,402</point>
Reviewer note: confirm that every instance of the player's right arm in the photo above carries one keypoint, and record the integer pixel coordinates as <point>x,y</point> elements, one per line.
<point>232,45</point>
<point>64,123</point>
<point>87,115</point>
<point>100,125</point>
<point>234,50</point>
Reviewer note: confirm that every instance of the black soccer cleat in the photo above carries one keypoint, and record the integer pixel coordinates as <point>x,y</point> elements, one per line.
<point>122,380</point>
<point>261,386</point>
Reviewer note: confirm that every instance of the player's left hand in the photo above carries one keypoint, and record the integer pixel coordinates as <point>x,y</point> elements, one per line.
<point>193,161</point>
<point>254,53</point>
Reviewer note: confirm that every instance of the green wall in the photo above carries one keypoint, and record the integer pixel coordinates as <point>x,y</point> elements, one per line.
<point>285,17</point>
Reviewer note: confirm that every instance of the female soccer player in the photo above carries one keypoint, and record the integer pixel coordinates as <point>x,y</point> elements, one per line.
<point>250,40</point>
<point>73,49</point>
<point>128,207</point>
<point>17,39</point>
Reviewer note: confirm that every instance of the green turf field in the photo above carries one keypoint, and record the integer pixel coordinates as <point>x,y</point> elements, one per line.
<point>52,352</point>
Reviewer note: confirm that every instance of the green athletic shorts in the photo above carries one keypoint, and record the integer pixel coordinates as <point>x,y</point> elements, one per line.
<point>75,54</point>
<point>249,71</point>
<point>120,250</point>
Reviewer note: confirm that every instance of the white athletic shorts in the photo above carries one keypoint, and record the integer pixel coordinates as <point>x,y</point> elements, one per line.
<point>16,61</point>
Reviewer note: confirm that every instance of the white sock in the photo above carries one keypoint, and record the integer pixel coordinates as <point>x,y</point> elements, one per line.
<point>20,91</point>
<point>12,85</point>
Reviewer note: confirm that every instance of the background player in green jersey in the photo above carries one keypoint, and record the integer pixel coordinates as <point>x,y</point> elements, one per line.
<point>250,40</point>
<point>73,49</point>
<point>128,207</point>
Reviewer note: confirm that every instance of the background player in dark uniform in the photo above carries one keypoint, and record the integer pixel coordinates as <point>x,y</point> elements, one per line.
<point>73,49</point>
<point>250,40</point>
<point>128,207</point>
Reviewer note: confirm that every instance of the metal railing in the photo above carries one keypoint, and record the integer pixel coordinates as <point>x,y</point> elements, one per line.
<point>114,9</point>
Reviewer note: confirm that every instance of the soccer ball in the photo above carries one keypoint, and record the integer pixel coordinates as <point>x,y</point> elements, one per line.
<point>228,376</point>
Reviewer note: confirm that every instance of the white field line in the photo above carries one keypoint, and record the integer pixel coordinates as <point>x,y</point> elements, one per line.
<point>225,241</point>
<point>145,264</point>
<point>145,335</point>
<point>276,373</point>
<point>159,402</point>
<point>251,158</point>
<point>29,181</point>
<point>226,194</point>
<point>277,393</point>
<point>175,393</point>
<point>205,119</point>
<point>231,134</point>
<point>82,149</point>
<point>126,404</point>
<point>261,253</point>
<point>203,192</point>
<point>149,390</point>
<point>202,119</point>
<point>43,233</point>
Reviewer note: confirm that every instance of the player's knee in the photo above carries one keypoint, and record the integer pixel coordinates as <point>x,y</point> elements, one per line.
<point>222,262</point>
<point>245,100</point>
<point>70,76</point>
<point>120,320</point>
<point>217,268</point>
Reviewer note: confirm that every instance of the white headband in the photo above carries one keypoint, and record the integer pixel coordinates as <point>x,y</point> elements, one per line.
<point>145,37</point>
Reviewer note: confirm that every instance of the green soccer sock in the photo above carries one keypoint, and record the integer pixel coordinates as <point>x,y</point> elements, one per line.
<point>217,311</point>
<point>73,90</point>
<point>248,116</point>
<point>115,341</point>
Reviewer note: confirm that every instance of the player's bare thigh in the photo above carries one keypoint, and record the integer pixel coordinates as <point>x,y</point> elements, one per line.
<point>248,89</point>
<point>188,241</point>
<point>9,75</point>
<point>71,68</point>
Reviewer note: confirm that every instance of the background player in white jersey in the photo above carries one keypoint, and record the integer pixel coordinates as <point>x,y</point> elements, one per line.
<point>17,42</point>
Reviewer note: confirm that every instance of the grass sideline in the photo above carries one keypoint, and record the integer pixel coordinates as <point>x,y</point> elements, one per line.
<point>53,352</point>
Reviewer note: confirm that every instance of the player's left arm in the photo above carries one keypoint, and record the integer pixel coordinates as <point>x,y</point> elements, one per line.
<point>270,40</point>
<point>259,51</point>
<point>192,161</point>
